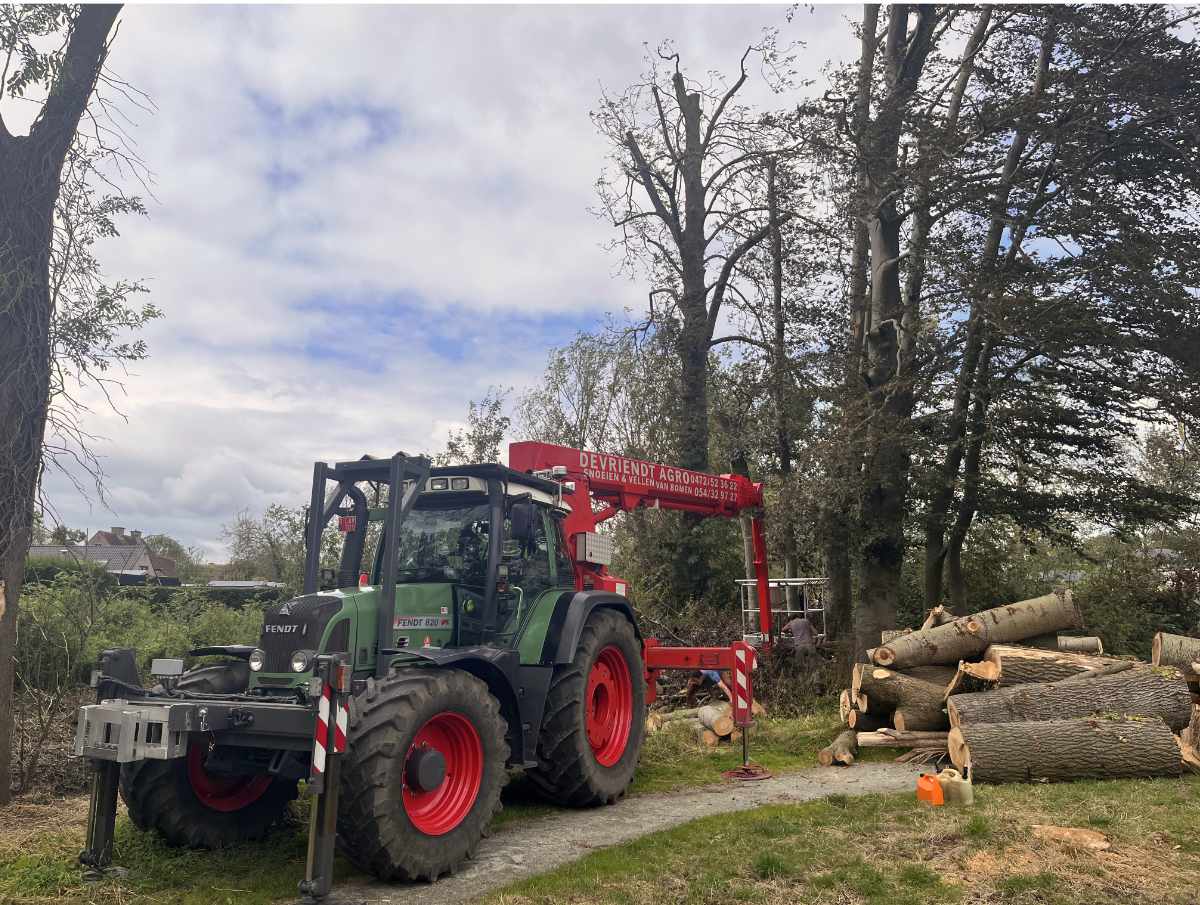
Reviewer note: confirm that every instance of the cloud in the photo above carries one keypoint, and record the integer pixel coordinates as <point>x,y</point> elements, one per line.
<point>363,217</point>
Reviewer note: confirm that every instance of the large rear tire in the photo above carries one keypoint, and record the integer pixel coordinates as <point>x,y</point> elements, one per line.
<point>421,779</point>
<point>192,808</point>
<point>595,717</point>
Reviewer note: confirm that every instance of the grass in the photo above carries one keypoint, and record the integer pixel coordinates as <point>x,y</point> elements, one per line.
<point>38,846</point>
<point>888,850</point>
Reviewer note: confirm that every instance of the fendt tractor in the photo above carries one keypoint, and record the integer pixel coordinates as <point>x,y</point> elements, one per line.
<point>472,625</point>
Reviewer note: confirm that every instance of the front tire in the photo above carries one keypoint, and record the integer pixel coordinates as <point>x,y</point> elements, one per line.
<point>191,808</point>
<point>595,717</point>
<point>423,770</point>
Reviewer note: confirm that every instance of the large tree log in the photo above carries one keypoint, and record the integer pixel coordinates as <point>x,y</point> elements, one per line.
<point>1065,749</point>
<point>938,675</point>
<point>1134,693</point>
<point>1007,664</point>
<point>897,689</point>
<point>1175,650</point>
<point>894,738</point>
<point>958,640</point>
<point>840,751</point>
<point>716,717</point>
<point>889,633</point>
<point>865,722</point>
<point>1039,615</point>
<point>965,638</point>
<point>1077,644</point>
<point>920,719</point>
<point>706,737</point>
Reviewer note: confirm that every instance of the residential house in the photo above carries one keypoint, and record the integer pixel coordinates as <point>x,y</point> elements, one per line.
<point>124,555</point>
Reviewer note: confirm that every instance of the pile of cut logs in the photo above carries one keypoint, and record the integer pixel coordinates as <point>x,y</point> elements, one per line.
<point>1008,699</point>
<point>712,724</point>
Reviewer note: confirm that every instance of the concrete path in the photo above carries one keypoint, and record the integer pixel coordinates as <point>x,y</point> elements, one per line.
<point>530,847</point>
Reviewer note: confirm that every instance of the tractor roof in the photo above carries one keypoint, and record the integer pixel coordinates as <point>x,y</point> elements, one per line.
<point>370,469</point>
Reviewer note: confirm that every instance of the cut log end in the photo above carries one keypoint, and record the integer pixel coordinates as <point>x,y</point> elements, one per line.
<point>841,750</point>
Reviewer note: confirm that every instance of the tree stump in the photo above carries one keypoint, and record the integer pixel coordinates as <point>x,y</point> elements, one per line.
<point>1133,693</point>
<point>1065,750</point>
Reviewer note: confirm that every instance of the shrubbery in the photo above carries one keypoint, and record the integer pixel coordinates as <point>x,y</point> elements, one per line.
<point>65,623</point>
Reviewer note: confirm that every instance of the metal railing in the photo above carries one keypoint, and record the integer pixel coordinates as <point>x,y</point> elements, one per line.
<point>791,598</point>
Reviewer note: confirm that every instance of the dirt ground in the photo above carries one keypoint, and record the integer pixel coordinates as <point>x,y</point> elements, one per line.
<point>532,847</point>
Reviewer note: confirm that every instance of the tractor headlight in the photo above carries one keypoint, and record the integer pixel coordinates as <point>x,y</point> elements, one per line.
<point>257,660</point>
<point>301,660</point>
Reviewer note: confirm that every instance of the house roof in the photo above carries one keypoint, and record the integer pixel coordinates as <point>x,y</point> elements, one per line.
<point>114,559</point>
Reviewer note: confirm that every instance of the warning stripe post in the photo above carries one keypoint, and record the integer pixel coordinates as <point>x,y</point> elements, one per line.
<point>329,741</point>
<point>744,660</point>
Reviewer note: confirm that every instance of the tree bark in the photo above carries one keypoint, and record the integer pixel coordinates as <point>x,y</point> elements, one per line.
<point>864,722</point>
<point>841,750</point>
<point>894,738</point>
<point>888,362</point>
<point>920,719</point>
<point>1035,616</point>
<point>30,171</point>
<point>1065,750</point>
<point>1077,644</point>
<point>1006,665</point>
<point>1175,650</point>
<point>1136,693</point>
<point>716,717</point>
<point>838,529</point>
<point>961,639</point>
<point>896,689</point>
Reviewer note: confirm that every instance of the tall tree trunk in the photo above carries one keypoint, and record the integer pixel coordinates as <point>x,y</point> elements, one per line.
<point>836,514</point>
<point>779,378</point>
<point>937,550</point>
<point>30,169</point>
<point>943,492</point>
<point>887,372</point>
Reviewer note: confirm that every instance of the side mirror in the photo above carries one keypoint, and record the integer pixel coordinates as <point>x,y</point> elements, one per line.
<point>328,580</point>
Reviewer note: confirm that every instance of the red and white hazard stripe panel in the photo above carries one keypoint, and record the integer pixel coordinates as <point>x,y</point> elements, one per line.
<point>744,662</point>
<point>321,741</point>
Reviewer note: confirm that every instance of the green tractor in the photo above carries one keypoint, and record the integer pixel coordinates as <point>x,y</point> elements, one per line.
<point>481,630</point>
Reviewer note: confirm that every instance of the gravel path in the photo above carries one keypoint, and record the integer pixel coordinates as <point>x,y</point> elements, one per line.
<point>531,847</point>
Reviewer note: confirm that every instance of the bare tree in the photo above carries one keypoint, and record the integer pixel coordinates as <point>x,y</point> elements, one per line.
<point>687,158</point>
<point>31,168</point>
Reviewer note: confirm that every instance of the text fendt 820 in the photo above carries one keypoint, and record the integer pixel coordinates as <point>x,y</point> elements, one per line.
<point>477,628</point>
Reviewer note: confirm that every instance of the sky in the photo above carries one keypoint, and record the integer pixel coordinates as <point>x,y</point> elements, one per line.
<point>362,218</point>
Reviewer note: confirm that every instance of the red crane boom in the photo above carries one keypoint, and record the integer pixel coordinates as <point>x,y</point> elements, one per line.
<point>620,484</point>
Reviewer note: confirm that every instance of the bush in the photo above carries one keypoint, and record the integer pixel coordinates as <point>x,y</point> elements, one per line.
<point>66,622</point>
<point>1127,597</point>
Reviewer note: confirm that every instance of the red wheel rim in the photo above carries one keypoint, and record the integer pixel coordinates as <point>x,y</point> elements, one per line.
<point>222,793</point>
<point>437,811</point>
<point>609,706</point>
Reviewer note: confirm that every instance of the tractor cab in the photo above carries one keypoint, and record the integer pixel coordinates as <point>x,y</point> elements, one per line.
<point>476,547</point>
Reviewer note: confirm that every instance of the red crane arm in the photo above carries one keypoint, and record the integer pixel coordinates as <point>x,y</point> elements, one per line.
<point>620,484</point>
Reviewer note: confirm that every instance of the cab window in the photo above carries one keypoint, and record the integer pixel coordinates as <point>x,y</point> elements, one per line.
<point>527,550</point>
<point>564,568</point>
